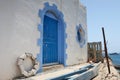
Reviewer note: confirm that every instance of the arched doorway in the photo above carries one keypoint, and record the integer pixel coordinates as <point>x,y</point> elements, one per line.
<point>55,14</point>
<point>50,39</point>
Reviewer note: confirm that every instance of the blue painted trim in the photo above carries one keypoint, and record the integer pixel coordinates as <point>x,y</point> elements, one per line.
<point>62,31</point>
<point>40,42</point>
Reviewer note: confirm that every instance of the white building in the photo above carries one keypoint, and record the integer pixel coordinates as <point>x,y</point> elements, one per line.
<point>54,31</point>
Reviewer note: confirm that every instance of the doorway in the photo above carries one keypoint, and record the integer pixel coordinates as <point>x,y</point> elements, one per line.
<point>50,40</point>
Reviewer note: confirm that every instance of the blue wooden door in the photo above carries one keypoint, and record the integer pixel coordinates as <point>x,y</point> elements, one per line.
<point>50,40</point>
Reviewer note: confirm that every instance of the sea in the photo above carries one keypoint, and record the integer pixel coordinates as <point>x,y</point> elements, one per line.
<point>115,57</point>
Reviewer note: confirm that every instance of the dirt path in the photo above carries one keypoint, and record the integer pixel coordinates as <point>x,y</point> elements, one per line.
<point>103,73</point>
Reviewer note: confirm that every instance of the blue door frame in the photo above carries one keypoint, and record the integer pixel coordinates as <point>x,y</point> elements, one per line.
<point>62,45</point>
<point>50,40</point>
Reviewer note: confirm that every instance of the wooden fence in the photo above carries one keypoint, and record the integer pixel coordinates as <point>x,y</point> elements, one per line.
<point>95,52</point>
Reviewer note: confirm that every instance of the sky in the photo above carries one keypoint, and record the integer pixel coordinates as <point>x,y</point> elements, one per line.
<point>104,13</point>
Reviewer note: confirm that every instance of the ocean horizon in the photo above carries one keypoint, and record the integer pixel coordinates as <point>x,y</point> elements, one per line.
<point>115,58</point>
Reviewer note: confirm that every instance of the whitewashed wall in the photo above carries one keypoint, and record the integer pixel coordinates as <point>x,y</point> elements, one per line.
<point>75,14</point>
<point>19,32</point>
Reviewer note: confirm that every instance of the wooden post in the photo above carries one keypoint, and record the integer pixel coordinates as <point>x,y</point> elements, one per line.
<point>106,53</point>
<point>94,51</point>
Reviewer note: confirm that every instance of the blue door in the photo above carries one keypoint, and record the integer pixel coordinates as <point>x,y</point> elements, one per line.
<point>50,40</point>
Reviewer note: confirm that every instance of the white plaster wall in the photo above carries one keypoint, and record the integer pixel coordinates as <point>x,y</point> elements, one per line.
<point>74,14</point>
<point>82,19</point>
<point>19,34</point>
